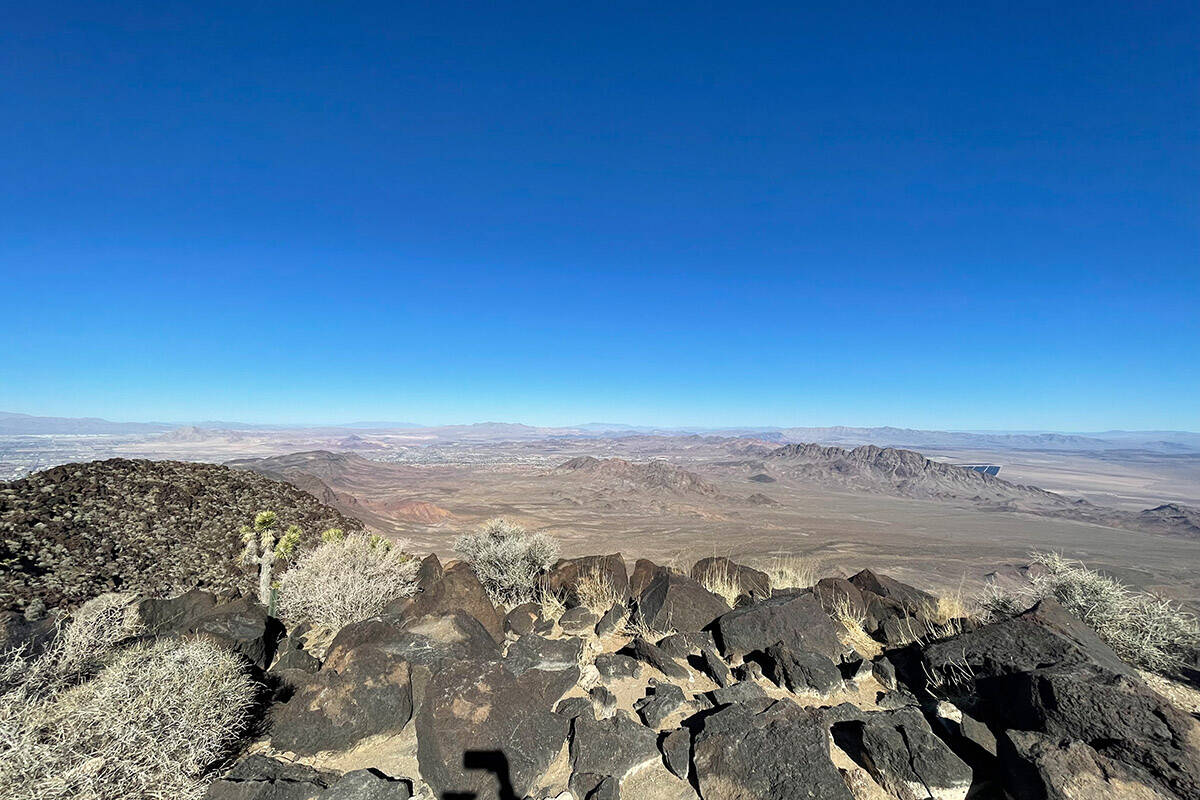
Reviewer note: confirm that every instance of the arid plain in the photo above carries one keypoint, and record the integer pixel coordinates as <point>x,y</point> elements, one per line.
<point>675,497</point>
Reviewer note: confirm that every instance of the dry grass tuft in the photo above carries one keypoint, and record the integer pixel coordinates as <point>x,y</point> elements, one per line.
<point>793,572</point>
<point>552,604</point>
<point>719,579</point>
<point>596,591</point>
<point>853,623</point>
<point>346,580</point>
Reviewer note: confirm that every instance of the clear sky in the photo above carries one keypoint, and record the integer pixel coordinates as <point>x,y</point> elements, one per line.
<point>944,215</point>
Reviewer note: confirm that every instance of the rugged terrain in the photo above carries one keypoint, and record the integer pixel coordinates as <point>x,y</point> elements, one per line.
<point>156,527</point>
<point>849,689</point>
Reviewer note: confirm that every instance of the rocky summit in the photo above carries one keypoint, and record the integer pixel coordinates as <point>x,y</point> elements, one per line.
<point>672,694</point>
<point>73,532</point>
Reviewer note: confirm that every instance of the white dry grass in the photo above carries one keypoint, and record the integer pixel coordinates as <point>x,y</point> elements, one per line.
<point>792,572</point>
<point>346,580</point>
<point>508,559</point>
<point>85,721</point>
<point>596,590</point>
<point>854,629</point>
<point>1144,629</point>
<point>719,579</point>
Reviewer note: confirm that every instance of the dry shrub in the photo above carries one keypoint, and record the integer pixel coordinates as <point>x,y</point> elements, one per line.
<point>507,559</point>
<point>149,725</point>
<point>597,591</point>
<point>346,580</point>
<point>792,572</point>
<point>552,604</point>
<point>1144,629</point>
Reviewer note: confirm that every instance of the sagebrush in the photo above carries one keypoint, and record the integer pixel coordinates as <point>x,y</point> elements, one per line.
<point>508,559</point>
<point>346,579</point>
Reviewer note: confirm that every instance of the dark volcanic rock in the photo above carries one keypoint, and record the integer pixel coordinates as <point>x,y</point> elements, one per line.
<point>751,582</point>
<point>611,621</point>
<point>741,692</point>
<point>715,667</point>
<point>612,746</point>
<point>478,707</point>
<point>796,620</point>
<point>1041,767</point>
<point>359,692</point>
<point>522,619</point>
<point>644,573</point>
<point>1047,672</point>
<point>535,652</point>
<point>174,614</point>
<point>291,655</point>
<point>257,777</point>
<point>677,752</point>
<point>780,753</point>
<point>243,626</point>
<point>369,784</point>
<point>153,528</point>
<point>665,699</point>
<point>457,590</point>
<point>615,666</point>
<point>800,671</point>
<point>674,601</point>
<point>903,755</point>
<point>656,657</point>
<point>913,600</point>
<point>577,620</point>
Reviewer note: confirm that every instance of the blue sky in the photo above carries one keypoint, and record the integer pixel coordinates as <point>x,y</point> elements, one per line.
<point>929,215</point>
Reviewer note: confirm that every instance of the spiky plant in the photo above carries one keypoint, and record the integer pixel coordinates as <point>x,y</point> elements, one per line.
<point>262,549</point>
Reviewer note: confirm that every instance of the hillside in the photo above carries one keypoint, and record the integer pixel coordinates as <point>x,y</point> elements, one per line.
<point>906,473</point>
<point>655,474</point>
<point>154,527</point>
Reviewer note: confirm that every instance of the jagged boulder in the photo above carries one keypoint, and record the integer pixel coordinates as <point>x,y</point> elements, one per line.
<point>617,666</point>
<point>799,671</point>
<point>476,719</point>
<point>242,625</point>
<point>522,619</point>
<point>1042,767</point>
<point>676,602</point>
<point>650,653</point>
<point>795,620</point>
<point>901,752</point>
<point>613,747</point>
<point>257,777</point>
<point>752,583</point>
<point>1045,671</point>
<point>676,748</point>
<point>743,752</point>
<point>644,573</point>
<point>359,692</point>
<point>457,589</point>
<point>578,620</point>
<point>911,599</point>
<point>665,699</point>
<point>611,621</point>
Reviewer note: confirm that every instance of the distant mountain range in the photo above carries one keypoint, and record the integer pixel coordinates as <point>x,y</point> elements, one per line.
<point>1166,442</point>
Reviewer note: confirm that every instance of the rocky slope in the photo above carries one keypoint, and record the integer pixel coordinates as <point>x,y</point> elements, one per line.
<point>906,473</point>
<point>153,527</point>
<point>444,695</point>
<point>653,475</point>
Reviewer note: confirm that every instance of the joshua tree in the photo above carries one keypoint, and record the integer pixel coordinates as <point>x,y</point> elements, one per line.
<point>262,549</point>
